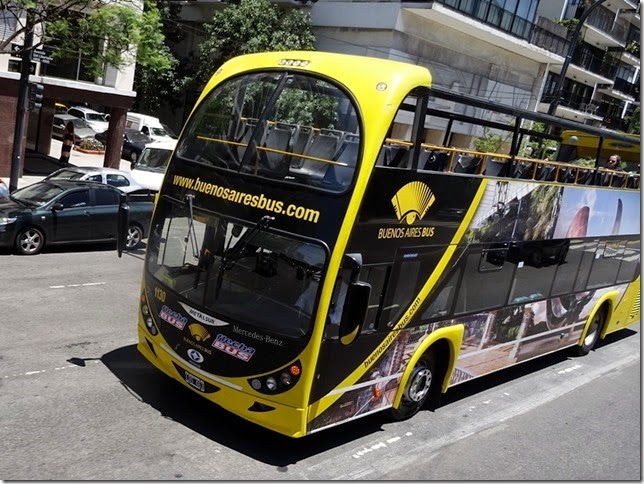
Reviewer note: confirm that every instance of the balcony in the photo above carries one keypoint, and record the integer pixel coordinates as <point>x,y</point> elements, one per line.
<point>487,12</point>
<point>551,36</point>
<point>571,106</point>
<point>604,29</point>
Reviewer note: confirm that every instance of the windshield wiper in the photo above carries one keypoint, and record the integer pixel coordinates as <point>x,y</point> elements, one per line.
<point>192,236</point>
<point>231,255</point>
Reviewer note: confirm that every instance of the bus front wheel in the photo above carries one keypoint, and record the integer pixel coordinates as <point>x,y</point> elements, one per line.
<point>418,388</point>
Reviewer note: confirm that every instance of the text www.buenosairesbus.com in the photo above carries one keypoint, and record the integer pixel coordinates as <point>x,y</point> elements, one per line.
<point>256,201</point>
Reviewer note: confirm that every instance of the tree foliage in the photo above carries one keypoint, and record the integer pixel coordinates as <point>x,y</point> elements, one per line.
<point>103,32</point>
<point>249,27</point>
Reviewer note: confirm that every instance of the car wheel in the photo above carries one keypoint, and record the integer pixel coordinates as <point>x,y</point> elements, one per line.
<point>134,237</point>
<point>30,241</point>
<point>418,388</point>
<point>133,157</point>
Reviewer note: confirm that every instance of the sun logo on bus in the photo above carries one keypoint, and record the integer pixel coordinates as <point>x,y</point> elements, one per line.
<point>198,332</point>
<point>412,201</point>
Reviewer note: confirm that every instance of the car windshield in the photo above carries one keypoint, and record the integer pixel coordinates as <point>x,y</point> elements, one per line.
<point>65,175</point>
<point>37,193</point>
<point>241,273</point>
<point>79,123</point>
<point>154,159</point>
<point>95,117</point>
<point>137,137</point>
<point>158,131</point>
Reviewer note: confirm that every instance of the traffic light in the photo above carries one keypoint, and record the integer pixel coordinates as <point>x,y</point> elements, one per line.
<point>35,95</point>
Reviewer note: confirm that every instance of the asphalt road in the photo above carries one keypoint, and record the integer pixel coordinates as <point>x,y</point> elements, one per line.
<point>77,402</point>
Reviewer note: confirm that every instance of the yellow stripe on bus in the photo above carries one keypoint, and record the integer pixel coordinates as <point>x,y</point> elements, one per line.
<point>325,402</point>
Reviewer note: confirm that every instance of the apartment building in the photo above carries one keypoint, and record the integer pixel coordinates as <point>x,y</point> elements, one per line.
<point>508,51</point>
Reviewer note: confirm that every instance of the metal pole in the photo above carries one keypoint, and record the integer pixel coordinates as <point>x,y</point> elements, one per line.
<point>571,49</point>
<point>23,93</point>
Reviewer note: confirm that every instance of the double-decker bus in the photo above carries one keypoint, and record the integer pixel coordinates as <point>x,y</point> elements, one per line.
<point>328,243</point>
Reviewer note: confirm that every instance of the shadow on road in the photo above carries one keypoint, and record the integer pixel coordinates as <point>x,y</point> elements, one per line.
<point>181,405</point>
<point>175,402</point>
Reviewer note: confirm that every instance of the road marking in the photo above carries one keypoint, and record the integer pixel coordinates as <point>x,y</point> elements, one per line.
<point>36,372</point>
<point>86,284</point>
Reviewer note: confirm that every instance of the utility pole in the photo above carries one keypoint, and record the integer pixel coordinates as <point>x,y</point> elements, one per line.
<point>23,94</point>
<point>571,49</point>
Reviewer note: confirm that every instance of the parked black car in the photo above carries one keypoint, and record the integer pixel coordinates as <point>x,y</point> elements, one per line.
<point>55,212</point>
<point>133,143</point>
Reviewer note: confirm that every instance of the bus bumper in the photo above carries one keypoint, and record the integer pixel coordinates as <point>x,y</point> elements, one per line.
<point>274,416</point>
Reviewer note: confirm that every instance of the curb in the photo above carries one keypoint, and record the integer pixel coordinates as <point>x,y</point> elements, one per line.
<point>89,152</point>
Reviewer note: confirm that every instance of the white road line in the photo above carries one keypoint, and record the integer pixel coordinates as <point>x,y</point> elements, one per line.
<point>86,284</point>
<point>36,372</point>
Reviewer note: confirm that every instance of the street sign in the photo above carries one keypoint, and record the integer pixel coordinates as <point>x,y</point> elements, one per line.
<point>41,56</point>
<point>16,50</point>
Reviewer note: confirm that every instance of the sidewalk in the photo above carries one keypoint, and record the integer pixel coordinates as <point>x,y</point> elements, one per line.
<point>36,165</point>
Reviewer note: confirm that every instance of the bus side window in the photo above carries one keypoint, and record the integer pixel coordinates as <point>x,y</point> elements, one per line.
<point>376,276</point>
<point>606,264</point>
<point>486,281</point>
<point>629,267</point>
<point>440,305</point>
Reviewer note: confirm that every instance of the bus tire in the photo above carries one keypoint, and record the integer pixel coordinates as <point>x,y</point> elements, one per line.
<point>592,335</point>
<point>418,389</point>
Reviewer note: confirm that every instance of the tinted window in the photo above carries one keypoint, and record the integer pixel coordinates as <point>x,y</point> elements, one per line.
<point>606,264</point>
<point>629,267</point>
<point>567,268</point>
<point>587,255</point>
<point>106,197</point>
<point>76,199</point>
<point>536,264</point>
<point>486,281</point>
<point>117,180</point>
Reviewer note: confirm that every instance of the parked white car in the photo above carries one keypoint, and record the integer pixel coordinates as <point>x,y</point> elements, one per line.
<point>109,176</point>
<point>149,169</point>
<point>94,119</point>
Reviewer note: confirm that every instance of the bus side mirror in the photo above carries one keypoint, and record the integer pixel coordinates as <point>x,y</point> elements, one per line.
<point>354,312</point>
<point>123,223</point>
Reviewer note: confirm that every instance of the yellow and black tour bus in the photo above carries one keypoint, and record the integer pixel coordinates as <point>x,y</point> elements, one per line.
<point>328,243</point>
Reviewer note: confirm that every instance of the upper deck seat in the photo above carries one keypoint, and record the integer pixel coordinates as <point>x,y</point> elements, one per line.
<point>279,138</point>
<point>341,175</point>
<point>432,160</point>
<point>466,164</point>
<point>324,146</point>
<point>523,170</point>
<point>547,173</point>
<point>494,167</point>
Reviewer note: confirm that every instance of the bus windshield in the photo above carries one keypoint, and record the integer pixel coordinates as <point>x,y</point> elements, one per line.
<point>287,126</point>
<point>242,273</point>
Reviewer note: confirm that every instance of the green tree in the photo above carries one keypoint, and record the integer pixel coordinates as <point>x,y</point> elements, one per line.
<point>104,33</point>
<point>249,27</point>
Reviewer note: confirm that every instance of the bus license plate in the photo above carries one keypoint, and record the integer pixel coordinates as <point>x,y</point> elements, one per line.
<point>195,382</point>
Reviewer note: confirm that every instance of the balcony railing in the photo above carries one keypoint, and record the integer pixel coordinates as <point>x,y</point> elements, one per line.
<point>491,14</point>
<point>626,87</point>
<point>595,61</point>
<point>545,35</point>
<point>604,20</point>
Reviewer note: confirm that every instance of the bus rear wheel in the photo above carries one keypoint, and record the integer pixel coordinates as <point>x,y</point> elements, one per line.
<point>418,388</point>
<point>592,335</point>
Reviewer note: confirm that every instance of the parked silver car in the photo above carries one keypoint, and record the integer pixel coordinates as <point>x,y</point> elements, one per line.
<point>81,128</point>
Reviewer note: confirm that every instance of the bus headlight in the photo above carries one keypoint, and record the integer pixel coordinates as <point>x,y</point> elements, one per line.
<point>271,384</point>
<point>278,382</point>
<point>151,327</point>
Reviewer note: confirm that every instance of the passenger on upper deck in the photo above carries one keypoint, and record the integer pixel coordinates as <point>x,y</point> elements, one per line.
<point>614,162</point>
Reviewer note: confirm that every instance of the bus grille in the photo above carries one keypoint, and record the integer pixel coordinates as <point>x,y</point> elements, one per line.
<point>635,310</point>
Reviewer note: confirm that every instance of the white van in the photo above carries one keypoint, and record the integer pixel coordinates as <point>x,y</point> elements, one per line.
<point>149,125</point>
<point>149,169</point>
